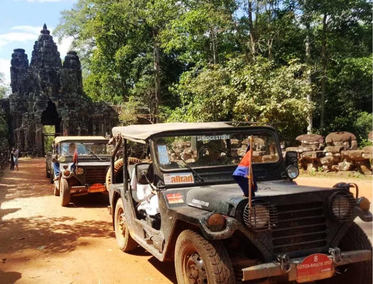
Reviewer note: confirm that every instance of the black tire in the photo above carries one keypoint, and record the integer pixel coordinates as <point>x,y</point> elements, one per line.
<point>46,172</point>
<point>51,176</point>
<point>122,234</point>
<point>359,273</point>
<point>200,261</point>
<point>56,190</point>
<point>64,192</point>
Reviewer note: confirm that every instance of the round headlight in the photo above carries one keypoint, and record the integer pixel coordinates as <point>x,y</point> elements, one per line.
<point>216,222</point>
<point>363,203</point>
<point>341,205</point>
<point>292,172</point>
<point>79,171</point>
<point>66,172</point>
<point>256,217</point>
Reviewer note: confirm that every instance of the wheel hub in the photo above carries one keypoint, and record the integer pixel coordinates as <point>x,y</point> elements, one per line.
<point>195,269</point>
<point>122,223</point>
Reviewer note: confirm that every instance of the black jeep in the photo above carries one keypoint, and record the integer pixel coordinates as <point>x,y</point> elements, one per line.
<point>78,165</point>
<point>172,192</point>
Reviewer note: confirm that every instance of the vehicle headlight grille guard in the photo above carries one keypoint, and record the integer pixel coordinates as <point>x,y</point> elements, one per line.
<point>341,205</point>
<point>261,216</point>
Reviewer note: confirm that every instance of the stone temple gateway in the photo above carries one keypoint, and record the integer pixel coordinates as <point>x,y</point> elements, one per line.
<point>47,92</point>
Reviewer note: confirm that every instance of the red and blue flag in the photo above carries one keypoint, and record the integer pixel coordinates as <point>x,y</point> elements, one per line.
<point>242,172</point>
<point>75,161</point>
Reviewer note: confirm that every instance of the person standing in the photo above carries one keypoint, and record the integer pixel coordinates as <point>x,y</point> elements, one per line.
<point>16,154</point>
<point>12,159</point>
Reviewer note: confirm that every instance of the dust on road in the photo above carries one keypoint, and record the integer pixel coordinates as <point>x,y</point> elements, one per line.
<point>42,242</point>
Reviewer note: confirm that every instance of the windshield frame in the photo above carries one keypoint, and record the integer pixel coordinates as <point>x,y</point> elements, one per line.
<point>83,143</point>
<point>252,130</point>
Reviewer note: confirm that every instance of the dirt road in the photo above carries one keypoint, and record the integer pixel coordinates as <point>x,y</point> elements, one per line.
<point>42,242</point>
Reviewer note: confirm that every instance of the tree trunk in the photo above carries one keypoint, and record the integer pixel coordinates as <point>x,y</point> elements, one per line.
<point>251,28</point>
<point>309,96</point>
<point>157,87</point>
<point>323,78</point>
<point>214,45</point>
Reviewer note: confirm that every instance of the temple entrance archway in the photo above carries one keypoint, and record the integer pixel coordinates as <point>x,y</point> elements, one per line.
<point>51,123</point>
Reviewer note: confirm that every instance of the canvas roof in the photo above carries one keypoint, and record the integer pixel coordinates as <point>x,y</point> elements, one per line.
<point>141,132</point>
<point>59,139</point>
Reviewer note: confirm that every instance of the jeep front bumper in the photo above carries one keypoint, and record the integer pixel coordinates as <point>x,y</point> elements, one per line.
<point>289,266</point>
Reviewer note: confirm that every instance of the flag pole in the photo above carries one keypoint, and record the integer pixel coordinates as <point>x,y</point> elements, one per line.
<point>250,176</point>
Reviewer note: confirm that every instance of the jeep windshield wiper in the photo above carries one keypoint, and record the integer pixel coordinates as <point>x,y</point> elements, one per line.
<point>189,167</point>
<point>93,153</point>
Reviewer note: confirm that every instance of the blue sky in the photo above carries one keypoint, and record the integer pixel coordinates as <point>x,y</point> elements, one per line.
<point>20,25</point>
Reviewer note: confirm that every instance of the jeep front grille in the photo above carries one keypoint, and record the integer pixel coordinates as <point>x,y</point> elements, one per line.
<point>95,174</point>
<point>299,227</point>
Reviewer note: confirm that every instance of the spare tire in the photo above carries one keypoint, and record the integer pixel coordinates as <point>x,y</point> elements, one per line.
<point>118,174</point>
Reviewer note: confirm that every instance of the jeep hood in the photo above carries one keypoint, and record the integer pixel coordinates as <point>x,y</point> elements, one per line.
<point>223,198</point>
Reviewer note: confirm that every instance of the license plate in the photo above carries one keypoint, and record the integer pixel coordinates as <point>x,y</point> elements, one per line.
<point>315,267</point>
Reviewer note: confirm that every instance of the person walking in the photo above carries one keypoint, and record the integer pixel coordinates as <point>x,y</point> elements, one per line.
<point>12,159</point>
<point>16,154</point>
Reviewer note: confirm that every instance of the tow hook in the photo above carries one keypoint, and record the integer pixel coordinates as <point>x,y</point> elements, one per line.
<point>284,261</point>
<point>336,253</point>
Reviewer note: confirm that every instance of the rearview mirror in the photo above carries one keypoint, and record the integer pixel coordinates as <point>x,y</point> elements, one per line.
<point>291,158</point>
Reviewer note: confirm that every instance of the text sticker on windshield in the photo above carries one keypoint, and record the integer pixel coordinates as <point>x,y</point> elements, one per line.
<point>163,155</point>
<point>178,178</point>
<point>174,198</point>
<point>213,137</point>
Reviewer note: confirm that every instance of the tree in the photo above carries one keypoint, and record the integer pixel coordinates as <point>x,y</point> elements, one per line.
<point>4,89</point>
<point>258,93</point>
<point>340,29</point>
<point>125,54</point>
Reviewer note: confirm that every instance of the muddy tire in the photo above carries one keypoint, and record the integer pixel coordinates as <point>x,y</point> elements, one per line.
<point>56,191</point>
<point>118,173</point>
<point>51,176</point>
<point>200,261</point>
<point>64,192</point>
<point>46,172</point>
<point>355,239</point>
<point>122,234</point>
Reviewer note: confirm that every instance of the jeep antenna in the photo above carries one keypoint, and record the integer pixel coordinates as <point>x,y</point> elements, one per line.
<point>250,175</point>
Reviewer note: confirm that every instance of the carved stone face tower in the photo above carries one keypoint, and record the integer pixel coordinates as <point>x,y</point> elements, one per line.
<point>47,92</point>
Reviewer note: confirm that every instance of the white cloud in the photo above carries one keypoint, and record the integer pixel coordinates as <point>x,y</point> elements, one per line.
<point>64,46</point>
<point>10,38</point>
<point>30,29</point>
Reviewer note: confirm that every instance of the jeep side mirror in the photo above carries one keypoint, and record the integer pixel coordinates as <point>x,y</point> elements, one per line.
<point>144,173</point>
<point>291,158</point>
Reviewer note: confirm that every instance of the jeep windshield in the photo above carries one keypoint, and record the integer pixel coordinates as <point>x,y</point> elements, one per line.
<point>91,148</point>
<point>214,149</point>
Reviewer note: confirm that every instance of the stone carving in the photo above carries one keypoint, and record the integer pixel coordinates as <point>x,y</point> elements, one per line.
<point>47,92</point>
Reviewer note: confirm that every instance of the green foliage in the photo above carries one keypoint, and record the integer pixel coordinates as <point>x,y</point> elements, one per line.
<point>363,125</point>
<point>229,60</point>
<point>4,90</point>
<point>48,140</point>
<point>258,93</point>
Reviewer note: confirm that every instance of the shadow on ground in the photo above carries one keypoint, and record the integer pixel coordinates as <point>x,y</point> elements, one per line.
<point>9,277</point>
<point>51,235</point>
